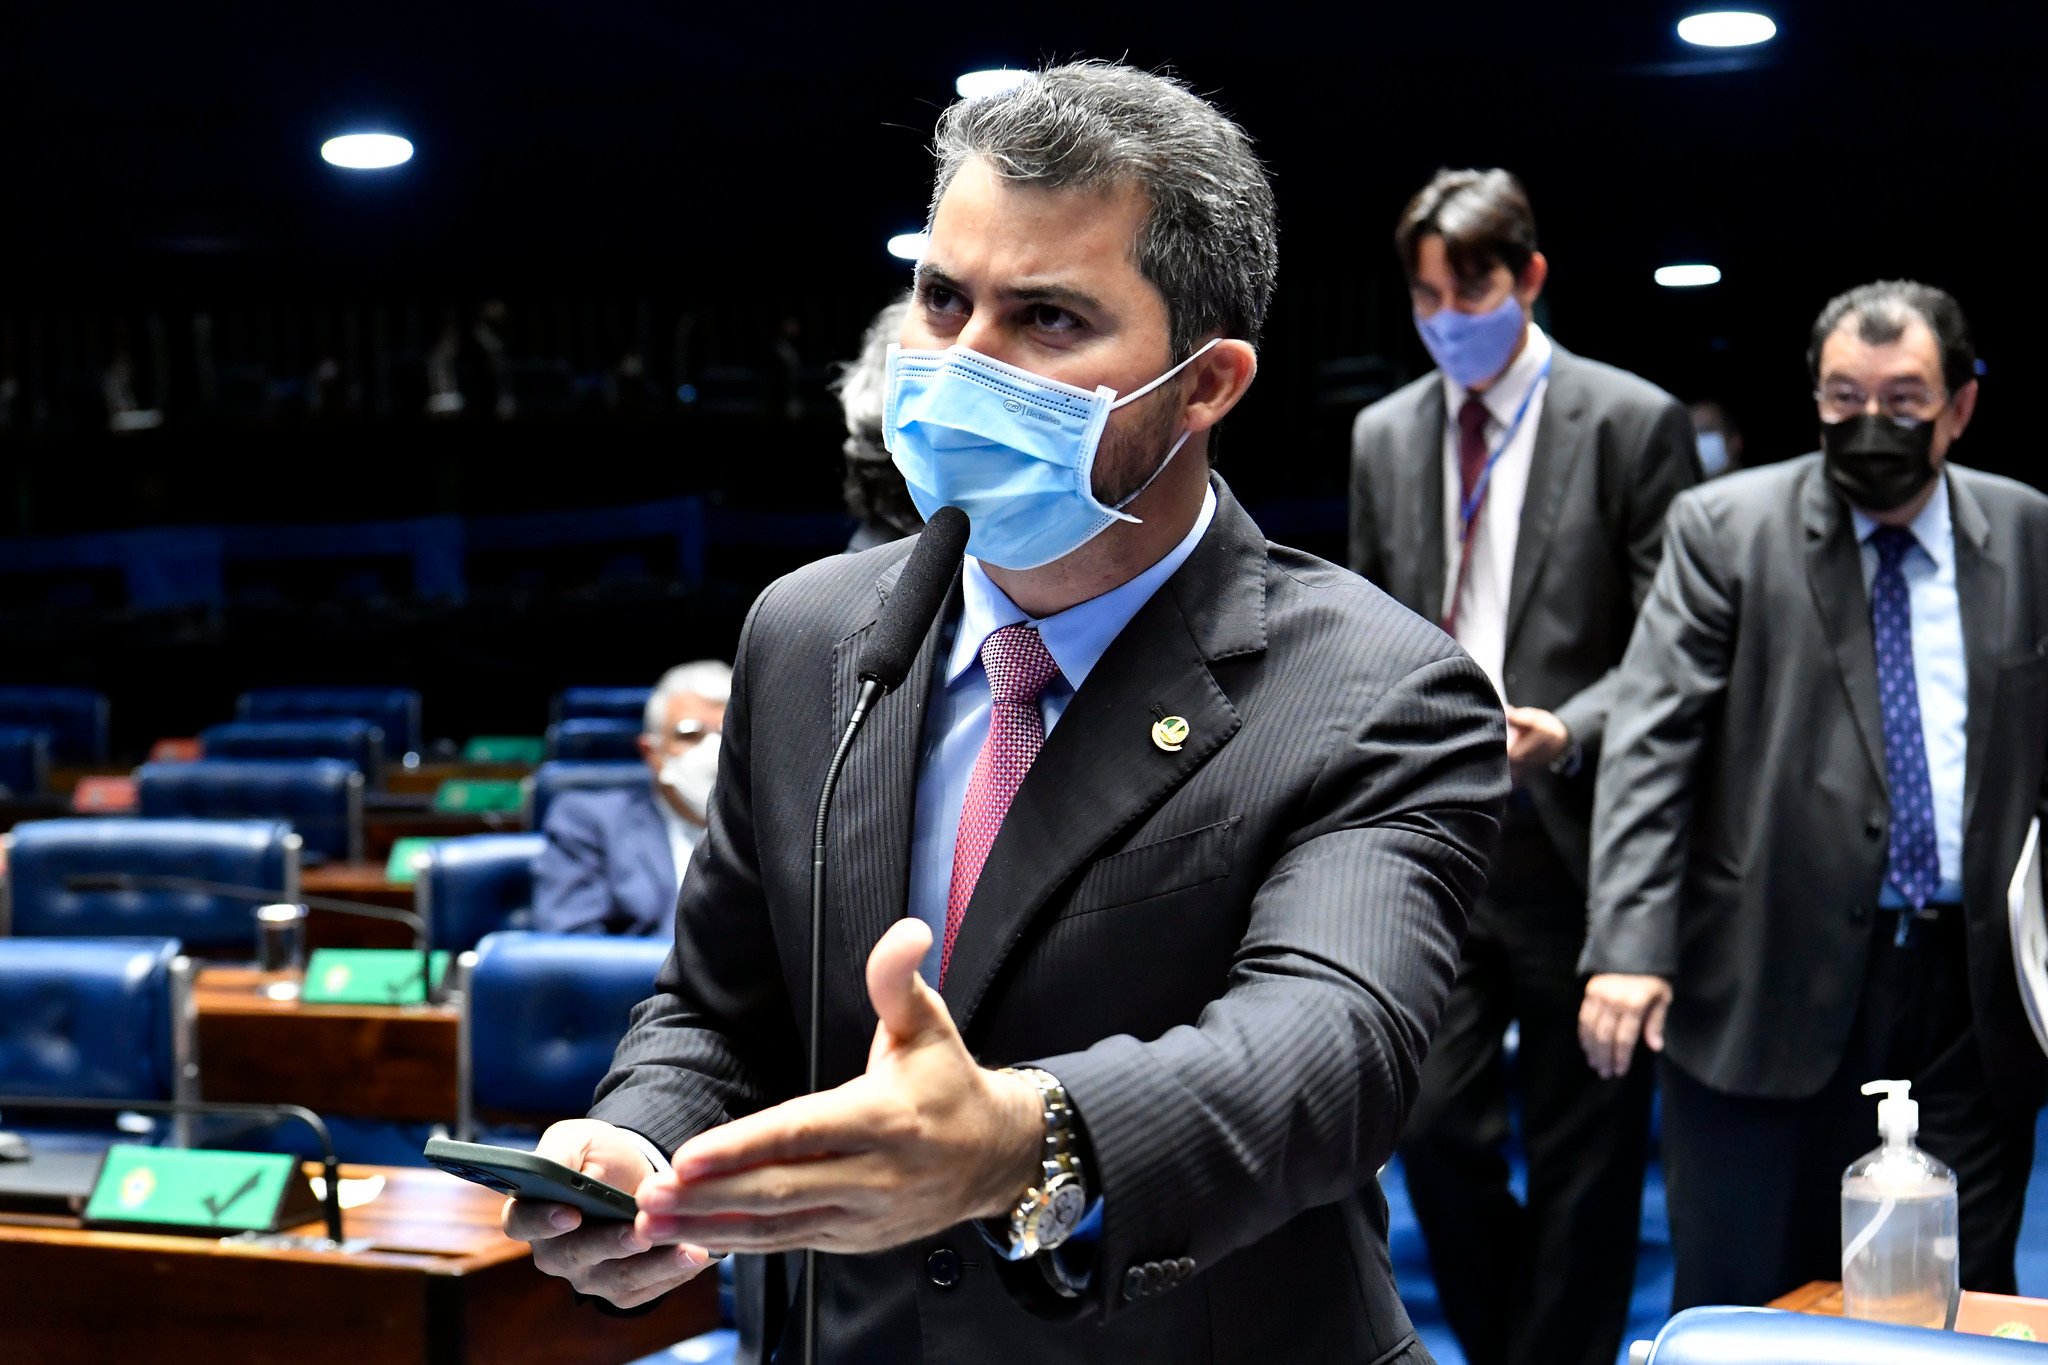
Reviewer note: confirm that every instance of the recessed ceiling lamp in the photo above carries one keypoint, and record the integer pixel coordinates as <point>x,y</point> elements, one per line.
<point>1688,276</point>
<point>1727,28</point>
<point>366,151</point>
<point>909,246</point>
<point>975,84</point>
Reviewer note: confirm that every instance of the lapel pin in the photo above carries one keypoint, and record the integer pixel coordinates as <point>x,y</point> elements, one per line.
<point>1169,733</point>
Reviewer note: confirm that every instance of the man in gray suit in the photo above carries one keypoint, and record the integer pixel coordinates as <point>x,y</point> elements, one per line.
<point>1193,820</point>
<point>1827,745</point>
<point>1517,494</point>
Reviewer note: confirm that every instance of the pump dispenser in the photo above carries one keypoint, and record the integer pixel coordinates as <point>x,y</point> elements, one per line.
<point>1899,1248</point>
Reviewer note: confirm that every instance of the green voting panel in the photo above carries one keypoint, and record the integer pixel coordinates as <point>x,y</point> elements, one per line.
<point>398,868</point>
<point>367,976</point>
<point>173,1189</point>
<point>466,796</point>
<point>526,749</point>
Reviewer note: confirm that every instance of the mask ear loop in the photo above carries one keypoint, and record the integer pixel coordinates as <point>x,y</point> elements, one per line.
<point>1133,396</point>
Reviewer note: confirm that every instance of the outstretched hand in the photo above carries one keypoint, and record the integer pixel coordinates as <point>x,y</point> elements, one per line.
<point>922,1140</point>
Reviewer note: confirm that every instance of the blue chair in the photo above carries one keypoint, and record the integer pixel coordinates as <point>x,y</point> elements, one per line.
<point>606,703</point>
<point>321,797</point>
<point>549,780</point>
<point>594,739</point>
<point>394,710</point>
<point>24,761</point>
<point>94,1018</point>
<point>359,742</point>
<point>75,718</point>
<point>468,887</point>
<point>43,855</point>
<point>541,1016</point>
<point>1763,1336</point>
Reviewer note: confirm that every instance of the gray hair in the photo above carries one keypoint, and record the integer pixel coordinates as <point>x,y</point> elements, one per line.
<point>1209,242</point>
<point>710,679</point>
<point>874,490</point>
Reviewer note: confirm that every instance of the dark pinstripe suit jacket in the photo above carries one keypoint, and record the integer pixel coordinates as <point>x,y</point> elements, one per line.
<point>1233,955</point>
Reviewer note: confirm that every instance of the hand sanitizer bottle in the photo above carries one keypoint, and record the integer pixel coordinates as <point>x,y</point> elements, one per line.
<point>1899,1260</point>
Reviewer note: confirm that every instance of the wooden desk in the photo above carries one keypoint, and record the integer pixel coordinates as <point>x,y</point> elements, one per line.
<point>1821,1297</point>
<point>441,1285</point>
<point>383,828</point>
<point>392,1062</point>
<point>363,881</point>
<point>1977,1314</point>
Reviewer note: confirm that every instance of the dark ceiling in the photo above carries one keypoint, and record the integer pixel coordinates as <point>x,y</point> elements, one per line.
<point>759,155</point>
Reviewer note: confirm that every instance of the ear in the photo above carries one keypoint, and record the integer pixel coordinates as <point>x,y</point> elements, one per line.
<point>1962,408</point>
<point>648,755</point>
<point>1534,276</point>
<point>1218,380</point>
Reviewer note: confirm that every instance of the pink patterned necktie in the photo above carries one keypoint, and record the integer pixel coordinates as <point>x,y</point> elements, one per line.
<point>1019,668</point>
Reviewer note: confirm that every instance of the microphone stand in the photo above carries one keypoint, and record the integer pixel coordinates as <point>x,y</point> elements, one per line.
<point>871,690</point>
<point>330,1165</point>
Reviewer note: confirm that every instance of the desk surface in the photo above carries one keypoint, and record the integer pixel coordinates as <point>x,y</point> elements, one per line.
<point>392,1062</point>
<point>439,1285</point>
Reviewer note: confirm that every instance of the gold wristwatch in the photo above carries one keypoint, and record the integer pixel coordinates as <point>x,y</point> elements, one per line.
<point>1051,1209</point>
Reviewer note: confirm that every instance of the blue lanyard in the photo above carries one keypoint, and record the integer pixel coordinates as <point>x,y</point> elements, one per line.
<point>1468,508</point>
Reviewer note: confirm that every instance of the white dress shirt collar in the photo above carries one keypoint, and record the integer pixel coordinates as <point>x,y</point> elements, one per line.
<point>1506,393</point>
<point>1932,529</point>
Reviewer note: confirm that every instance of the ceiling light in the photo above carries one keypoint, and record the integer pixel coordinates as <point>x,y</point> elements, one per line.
<point>366,151</point>
<point>975,84</point>
<point>1688,276</point>
<point>909,246</point>
<point>1727,28</point>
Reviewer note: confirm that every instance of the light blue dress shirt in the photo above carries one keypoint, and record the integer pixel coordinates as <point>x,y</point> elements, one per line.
<point>956,718</point>
<point>1939,671</point>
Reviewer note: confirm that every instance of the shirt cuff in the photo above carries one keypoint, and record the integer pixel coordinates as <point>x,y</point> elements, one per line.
<point>647,1148</point>
<point>1568,763</point>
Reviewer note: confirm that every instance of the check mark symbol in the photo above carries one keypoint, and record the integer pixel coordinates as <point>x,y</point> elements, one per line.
<point>218,1207</point>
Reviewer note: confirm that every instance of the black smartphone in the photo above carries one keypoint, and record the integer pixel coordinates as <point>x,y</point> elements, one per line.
<point>526,1176</point>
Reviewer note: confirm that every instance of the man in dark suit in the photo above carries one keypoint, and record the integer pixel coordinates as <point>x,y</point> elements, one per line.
<point>1194,821</point>
<point>1827,746</point>
<point>614,857</point>
<point>1516,494</point>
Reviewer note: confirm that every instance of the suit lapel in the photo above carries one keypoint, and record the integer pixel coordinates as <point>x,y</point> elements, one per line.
<point>1834,571</point>
<point>1562,433</point>
<point>877,799</point>
<point>1980,593</point>
<point>1100,770</point>
<point>1426,463</point>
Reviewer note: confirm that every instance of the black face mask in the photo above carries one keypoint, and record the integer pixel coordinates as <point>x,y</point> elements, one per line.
<point>1876,463</point>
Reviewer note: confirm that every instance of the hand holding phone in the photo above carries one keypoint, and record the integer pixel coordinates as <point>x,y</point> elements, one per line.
<point>528,1175</point>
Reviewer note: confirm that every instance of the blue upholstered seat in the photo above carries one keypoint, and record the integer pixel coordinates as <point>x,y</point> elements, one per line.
<point>543,1015</point>
<point>75,719</point>
<point>394,710</point>
<point>89,1018</point>
<point>608,703</point>
<point>24,760</point>
<point>44,855</point>
<point>1761,1336</point>
<point>360,742</point>
<point>475,885</point>
<point>321,797</point>
<point>594,739</point>
<point>550,779</point>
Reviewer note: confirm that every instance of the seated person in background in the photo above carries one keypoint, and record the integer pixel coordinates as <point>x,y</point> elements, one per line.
<point>874,487</point>
<point>615,858</point>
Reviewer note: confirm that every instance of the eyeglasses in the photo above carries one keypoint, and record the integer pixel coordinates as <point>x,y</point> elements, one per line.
<point>690,732</point>
<point>1906,401</point>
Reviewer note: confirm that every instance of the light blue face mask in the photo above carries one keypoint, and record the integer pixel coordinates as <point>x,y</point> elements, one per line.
<point>1473,347</point>
<point>1013,450</point>
<point>1713,452</point>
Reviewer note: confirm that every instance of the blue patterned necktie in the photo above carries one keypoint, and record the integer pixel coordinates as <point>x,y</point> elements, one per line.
<point>1913,865</point>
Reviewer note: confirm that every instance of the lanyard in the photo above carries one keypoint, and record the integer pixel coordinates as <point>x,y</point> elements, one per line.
<point>1471,505</point>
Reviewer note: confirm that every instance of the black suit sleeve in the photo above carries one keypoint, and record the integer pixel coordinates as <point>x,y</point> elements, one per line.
<point>1290,1090</point>
<point>1675,670</point>
<point>1663,461</point>
<point>704,1048</point>
<point>1368,559</point>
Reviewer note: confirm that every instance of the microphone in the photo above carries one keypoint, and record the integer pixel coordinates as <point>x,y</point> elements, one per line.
<point>885,660</point>
<point>330,1165</point>
<point>256,895</point>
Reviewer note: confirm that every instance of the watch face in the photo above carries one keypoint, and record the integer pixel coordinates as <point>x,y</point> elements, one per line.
<point>1062,1212</point>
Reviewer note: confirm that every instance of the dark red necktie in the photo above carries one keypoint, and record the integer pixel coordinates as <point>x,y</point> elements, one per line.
<point>1471,467</point>
<point>1019,668</point>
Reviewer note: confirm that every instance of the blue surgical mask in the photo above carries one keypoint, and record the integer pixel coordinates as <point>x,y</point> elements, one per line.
<point>1473,348</point>
<point>1713,452</point>
<point>1013,450</point>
